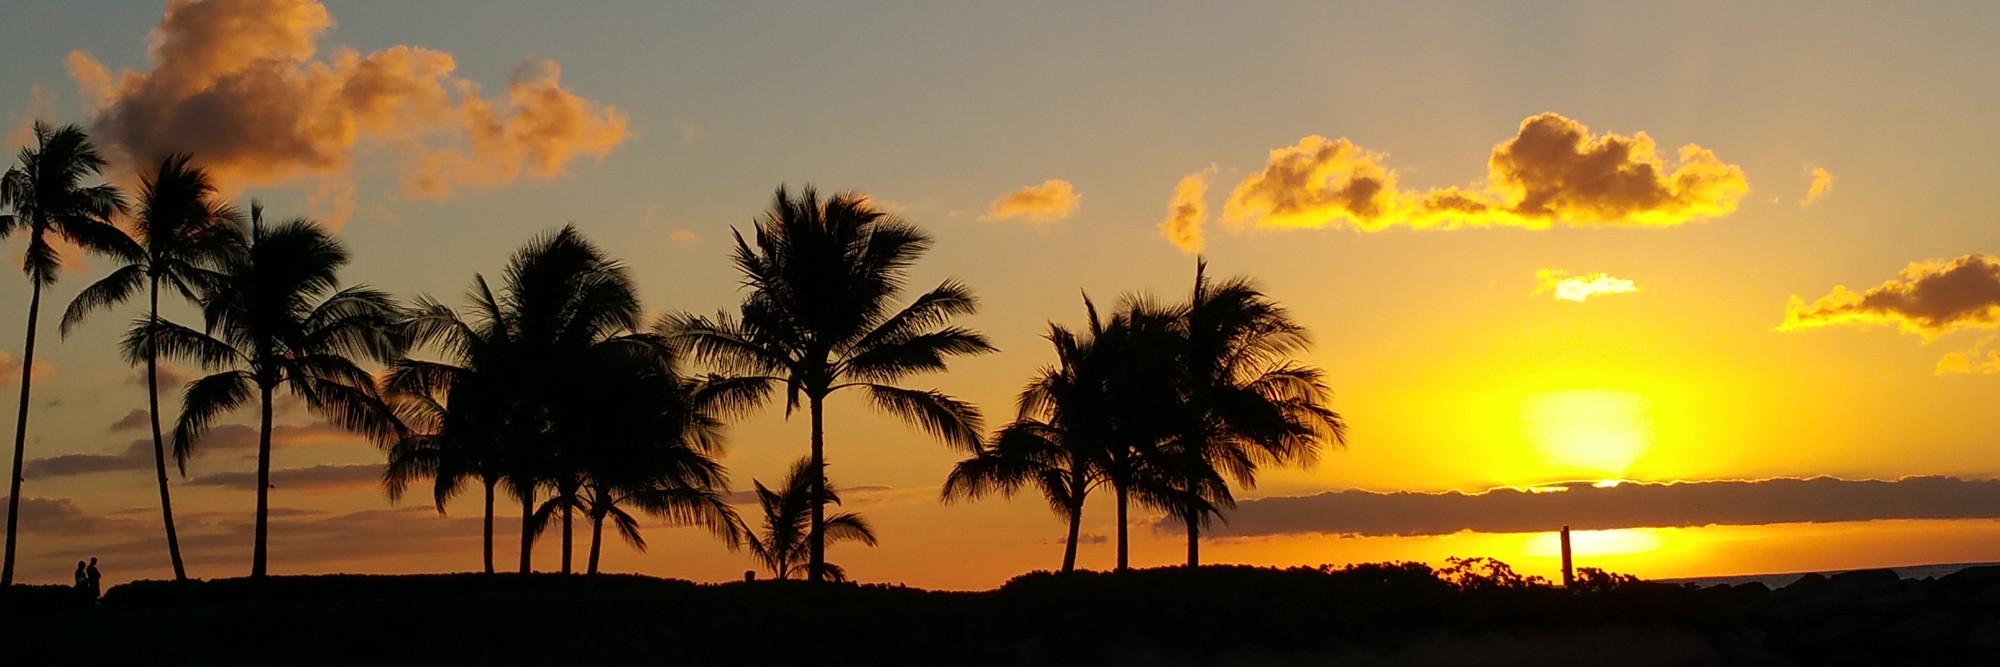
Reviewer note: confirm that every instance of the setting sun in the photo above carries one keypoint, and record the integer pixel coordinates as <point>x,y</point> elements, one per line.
<point>1596,431</point>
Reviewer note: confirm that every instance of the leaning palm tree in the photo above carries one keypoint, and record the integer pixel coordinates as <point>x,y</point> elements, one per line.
<point>186,232</point>
<point>1059,442</point>
<point>820,317</point>
<point>50,200</point>
<point>1244,401</point>
<point>278,319</point>
<point>647,440</point>
<point>784,547</point>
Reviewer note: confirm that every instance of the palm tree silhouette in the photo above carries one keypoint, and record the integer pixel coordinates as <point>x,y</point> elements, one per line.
<point>185,233</point>
<point>47,194</point>
<point>786,539</point>
<point>819,318</point>
<point>278,318</point>
<point>1060,440</point>
<point>1244,401</point>
<point>459,411</point>
<point>646,439</point>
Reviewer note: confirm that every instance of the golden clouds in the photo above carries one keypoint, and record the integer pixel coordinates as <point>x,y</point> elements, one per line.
<point>1188,211</point>
<point>1554,171</point>
<point>240,84</point>
<point>1580,288</point>
<point>1053,200</point>
<point>1821,185</point>
<point>1982,358</point>
<point>1928,299</point>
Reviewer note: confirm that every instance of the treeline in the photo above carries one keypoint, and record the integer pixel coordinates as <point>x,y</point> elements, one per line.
<point>548,386</point>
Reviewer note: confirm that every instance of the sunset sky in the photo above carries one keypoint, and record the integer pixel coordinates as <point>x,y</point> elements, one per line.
<point>1536,243</point>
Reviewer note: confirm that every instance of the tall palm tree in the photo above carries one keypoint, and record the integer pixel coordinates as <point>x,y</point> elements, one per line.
<point>820,317</point>
<point>786,539</point>
<point>1245,402</point>
<point>1059,441</point>
<point>278,319</point>
<point>647,439</point>
<point>186,232</point>
<point>49,198</point>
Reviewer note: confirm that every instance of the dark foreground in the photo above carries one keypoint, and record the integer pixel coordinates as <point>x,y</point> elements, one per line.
<point>1372,615</point>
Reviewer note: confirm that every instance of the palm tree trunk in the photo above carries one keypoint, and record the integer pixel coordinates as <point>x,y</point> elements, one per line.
<point>527,529</point>
<point>596,541</point>
<point>816,542</point>
<point>1194,543</point>
<point>566,538</point>
<point>259,554</point>
<point>159,440</point>
<point>20,438</point>
<point>1124,498</point>
<point>487,550</point>
<point>1069,546</point>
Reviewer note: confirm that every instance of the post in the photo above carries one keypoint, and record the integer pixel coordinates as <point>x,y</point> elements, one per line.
<point>1569,575</point>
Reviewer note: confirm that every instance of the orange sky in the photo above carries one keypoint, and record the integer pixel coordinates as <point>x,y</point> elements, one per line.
<point>1534,243</point>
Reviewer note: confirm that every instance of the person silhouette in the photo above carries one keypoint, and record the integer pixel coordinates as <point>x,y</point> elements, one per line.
<point>95,577</point>
<point>82,578</point>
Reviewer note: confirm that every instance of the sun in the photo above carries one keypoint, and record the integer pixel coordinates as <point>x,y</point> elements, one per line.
<point>1592,431</point>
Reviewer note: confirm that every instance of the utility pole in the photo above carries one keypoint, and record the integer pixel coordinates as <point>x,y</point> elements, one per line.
<point>1569,576</point>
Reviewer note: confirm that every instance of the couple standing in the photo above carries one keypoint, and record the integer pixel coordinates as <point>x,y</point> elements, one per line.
<point>88,579</point>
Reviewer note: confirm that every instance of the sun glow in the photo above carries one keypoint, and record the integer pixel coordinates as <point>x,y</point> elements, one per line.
<point>1619,542</point>
<point>1596,431</point>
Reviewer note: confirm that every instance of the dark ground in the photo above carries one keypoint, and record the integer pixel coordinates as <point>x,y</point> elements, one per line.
<point>1370,615</point>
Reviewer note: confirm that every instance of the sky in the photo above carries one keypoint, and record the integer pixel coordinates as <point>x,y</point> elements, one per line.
<point>1539,245</point>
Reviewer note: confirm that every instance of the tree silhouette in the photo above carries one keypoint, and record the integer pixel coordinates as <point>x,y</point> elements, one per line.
<point>1060,439</point>
<point>278,319</point>
<point>47,194</point>
<point>819,318</point>
<point>646,438</point>
<point>460,412</point>
<point>787,536</point>
<point>185,233</point>
<point>1244,401</point>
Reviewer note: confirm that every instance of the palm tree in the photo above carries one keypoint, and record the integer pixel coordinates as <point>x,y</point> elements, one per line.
<point>1244,401</point>
<point>819,318</point>
<point>185,233</point>
<point>278,319</point>
<point>457,418</point>
<point>48,196</point>
<point>1060,440</point>
<point>788,522</point>
<point>646,438</point>
<point>487,410</point>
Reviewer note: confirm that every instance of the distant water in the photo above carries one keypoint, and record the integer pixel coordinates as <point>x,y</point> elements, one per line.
<point>1780,580</point>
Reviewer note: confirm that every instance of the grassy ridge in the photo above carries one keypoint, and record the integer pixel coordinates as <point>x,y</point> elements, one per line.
<point>1226,615</point>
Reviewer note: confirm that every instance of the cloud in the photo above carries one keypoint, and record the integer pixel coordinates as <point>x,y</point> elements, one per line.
<point>1188,211</point>
<point>1584,506</point>
<point>242,84</point>
<point>10,369</point>
<point>1053,200</point>
<point>1554,171</point>
<point>225,438</point>
<point>171,377</point>
<point>319,478</point>
<point>133,421</point>
<point>1928,299</point>
<point>1580,288</point>
<point>1983,358</point>
<point>684,237</point>
<point>1821,186</point>
<point>61,516</point>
